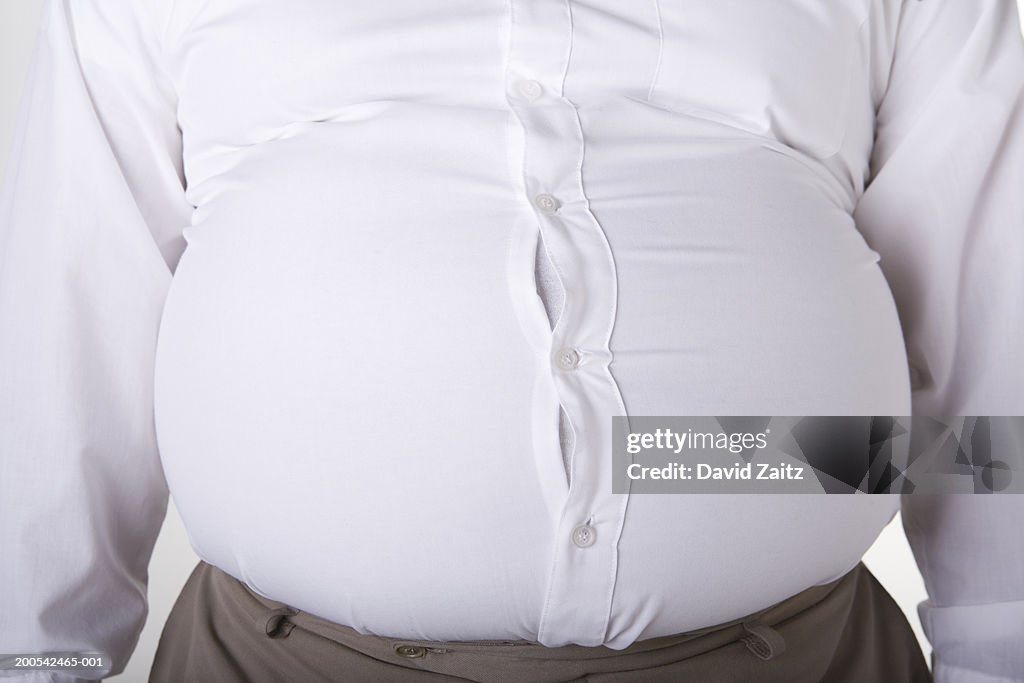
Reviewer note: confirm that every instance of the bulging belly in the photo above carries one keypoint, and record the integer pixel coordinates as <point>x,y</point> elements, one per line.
<point>345,386</point>
<point>744,288</point>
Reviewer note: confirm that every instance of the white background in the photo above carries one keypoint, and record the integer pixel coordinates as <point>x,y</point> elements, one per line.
<point>889,558</point>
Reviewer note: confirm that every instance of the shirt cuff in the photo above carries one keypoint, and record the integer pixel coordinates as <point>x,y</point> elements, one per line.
<point>976,643</point>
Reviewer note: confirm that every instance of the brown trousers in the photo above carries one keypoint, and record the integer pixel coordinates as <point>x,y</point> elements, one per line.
<point>847,631</point>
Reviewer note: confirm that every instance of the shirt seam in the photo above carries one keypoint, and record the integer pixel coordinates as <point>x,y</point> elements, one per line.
<point>661,51</point>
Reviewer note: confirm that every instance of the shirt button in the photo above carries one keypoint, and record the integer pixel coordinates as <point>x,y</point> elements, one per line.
<point>547,203</point>
<point>584,536</point>
<point>531,90</point>
<point>410,651</point>
<point>567,359</point>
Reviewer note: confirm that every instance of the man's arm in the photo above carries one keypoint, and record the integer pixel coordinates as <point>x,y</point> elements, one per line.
<point>91,215</point>
<point>944,207</point>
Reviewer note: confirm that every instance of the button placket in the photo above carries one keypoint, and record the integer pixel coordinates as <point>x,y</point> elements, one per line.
<point>581,577</point>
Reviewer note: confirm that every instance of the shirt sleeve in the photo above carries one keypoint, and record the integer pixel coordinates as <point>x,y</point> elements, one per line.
<point>944,208</point>
<point>92,211</point>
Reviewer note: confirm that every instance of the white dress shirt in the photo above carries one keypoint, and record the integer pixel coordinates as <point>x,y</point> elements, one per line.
<point>281,257</point>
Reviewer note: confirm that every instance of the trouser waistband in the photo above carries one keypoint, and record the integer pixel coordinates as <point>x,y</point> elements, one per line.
<point>849,630</point>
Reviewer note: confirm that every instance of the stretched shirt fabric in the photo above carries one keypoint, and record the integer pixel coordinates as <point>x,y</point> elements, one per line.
<point>280,257</point>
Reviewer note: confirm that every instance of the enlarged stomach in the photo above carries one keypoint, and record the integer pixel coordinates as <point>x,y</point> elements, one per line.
<point>344,394</point>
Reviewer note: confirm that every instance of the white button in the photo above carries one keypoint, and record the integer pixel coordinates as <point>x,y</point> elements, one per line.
<point>567,359</point>
<point>584,535</point>
<point>547,203</point>
<point>531,90</point>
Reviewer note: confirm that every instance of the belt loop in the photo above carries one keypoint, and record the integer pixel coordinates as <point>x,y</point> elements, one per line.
<point>277,624</point>
<point>763,640</point>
